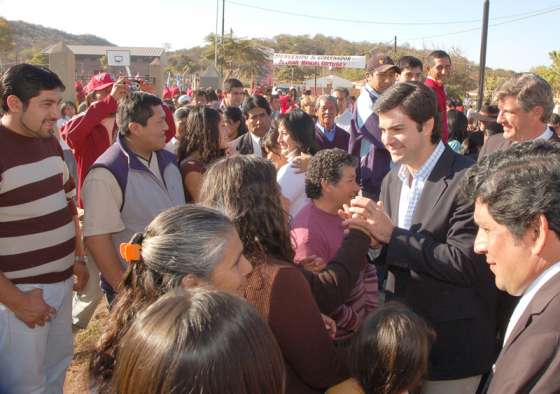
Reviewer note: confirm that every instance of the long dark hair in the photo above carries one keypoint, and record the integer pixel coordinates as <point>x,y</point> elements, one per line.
<point>389,353</point>
<point>199,341</point>
<point>234,114</point>
<point>244,187</point>
<point>301,128</point>
<point>179,241</point>
<point>458,124</point>
<point>202,135</point>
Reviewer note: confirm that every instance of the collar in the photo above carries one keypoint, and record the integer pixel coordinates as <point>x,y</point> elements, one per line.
<point>325,130</point>
<point>529,295</point>
<point>134,162</point>
<point>256,139</point>
<point>371,91</point>
<point>424,172</point>
<point>434,82</point>
<point>546,135</point>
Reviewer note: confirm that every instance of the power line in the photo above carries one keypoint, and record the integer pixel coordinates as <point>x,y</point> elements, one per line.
<point>371,22</point>
<point>534,14</point>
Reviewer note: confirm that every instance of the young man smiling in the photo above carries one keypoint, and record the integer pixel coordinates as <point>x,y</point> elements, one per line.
<point>438,70</point>
<point>427,235</point>
<point>129,185</point>
<point>38,243</point>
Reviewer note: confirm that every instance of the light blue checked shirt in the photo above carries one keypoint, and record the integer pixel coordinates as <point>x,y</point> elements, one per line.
<point>411,193</point>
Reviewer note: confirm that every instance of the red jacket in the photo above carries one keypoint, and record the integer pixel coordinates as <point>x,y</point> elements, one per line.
<point>441,104</point>
<point>89,138</point>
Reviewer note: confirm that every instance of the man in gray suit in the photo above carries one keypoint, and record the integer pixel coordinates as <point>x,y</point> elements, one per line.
<point>517,200</point>
<point>427,237</point>
<point>526,105</point>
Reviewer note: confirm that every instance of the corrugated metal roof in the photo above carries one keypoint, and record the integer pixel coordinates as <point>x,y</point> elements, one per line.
<point>100,50</point>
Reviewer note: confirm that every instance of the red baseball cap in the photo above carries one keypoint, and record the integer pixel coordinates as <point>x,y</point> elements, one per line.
<point>99,82</point>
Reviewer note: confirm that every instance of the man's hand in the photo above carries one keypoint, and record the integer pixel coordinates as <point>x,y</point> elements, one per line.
<point>81,275</point>
<point>313,264</point>
<point>32,309</point>
<point>301,163</point>
<point>330,326</point>
<point>366,212</point>
<point>120,89</point>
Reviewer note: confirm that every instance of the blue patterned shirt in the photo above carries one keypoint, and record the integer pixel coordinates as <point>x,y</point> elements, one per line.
<point>412,191</point>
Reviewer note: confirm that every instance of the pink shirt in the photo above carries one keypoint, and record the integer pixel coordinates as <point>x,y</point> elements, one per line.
<point>319,233</point>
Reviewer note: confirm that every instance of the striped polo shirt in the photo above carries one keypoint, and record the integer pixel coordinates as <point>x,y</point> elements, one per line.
<point>37,233</point>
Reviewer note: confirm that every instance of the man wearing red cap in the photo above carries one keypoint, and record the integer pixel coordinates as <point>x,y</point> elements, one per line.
<point>92,132</point>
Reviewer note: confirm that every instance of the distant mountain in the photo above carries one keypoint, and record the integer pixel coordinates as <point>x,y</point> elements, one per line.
<point>29,37</point>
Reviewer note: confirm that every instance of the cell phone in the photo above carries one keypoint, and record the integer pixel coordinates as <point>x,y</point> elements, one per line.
<point>133,85</point>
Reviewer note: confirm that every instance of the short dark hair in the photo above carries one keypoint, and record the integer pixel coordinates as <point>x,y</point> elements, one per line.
<point>409,62</point>
<point>343,91</point>
<point>301,128</point>
<point>416,100</point>
<point>518,184</point>
<point>231,83</point>
<point>457,123</point>
<point>200,93</point>
<point>136,107</point>
<point>554,119</point>
<point>327,165</point>
<point>67,104</point>
<point>389,353</point>
<point>256,101</point>
<point>437,54</point>
<point>26,81</point>
<point>211,95</point>
<point>197,341</point>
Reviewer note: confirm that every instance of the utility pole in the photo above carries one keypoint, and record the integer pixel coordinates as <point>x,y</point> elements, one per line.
<point>216,35</point>
<point>483,43</point>
<point>223,48</point>
<point>395,46</point>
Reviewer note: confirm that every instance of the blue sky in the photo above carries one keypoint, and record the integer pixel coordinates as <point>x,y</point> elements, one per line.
<point>517,45</point>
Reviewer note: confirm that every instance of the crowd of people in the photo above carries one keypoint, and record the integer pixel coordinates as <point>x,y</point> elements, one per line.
<point>396,242</point>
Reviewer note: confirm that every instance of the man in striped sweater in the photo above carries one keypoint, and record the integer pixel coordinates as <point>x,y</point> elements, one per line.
<point>37,235</point>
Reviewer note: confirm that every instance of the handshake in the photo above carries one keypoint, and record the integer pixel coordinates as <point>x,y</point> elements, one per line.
<point>369,217</point>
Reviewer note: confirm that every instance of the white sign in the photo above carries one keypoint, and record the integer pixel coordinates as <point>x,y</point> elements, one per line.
<point>118,58</point>
<point>288,59</point>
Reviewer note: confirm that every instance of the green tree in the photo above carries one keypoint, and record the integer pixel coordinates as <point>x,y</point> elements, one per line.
<point>552,72</point>
<point>39,58</point>
<point>6,39</point>
<point>242,58</point>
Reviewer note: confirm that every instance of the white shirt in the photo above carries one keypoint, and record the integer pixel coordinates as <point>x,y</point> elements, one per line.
<point>256,145</point>
<point>172,145</point>
<point>528,296</point>
<point>364,105</point>
<point>411,193</point>
<point>343,120</point>
<point>546,135</point>
<point>292,186</point>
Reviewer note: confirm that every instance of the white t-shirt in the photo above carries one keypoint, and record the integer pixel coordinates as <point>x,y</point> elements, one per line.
<point>292,186</point>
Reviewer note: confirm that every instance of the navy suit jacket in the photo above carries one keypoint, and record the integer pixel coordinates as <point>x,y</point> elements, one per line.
<point>341,139</point>
<point>437,273</point>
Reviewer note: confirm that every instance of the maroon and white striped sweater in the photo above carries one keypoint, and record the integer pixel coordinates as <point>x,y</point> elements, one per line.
<point>37,233</point>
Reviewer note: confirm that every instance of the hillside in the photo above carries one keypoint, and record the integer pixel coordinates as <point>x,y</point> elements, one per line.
<point>30,38</point>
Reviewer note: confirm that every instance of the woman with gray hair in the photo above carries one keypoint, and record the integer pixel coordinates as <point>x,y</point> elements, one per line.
<point>186,246</point>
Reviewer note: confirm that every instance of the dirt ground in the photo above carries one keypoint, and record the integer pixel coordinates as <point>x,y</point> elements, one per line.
<point>84,343</point>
